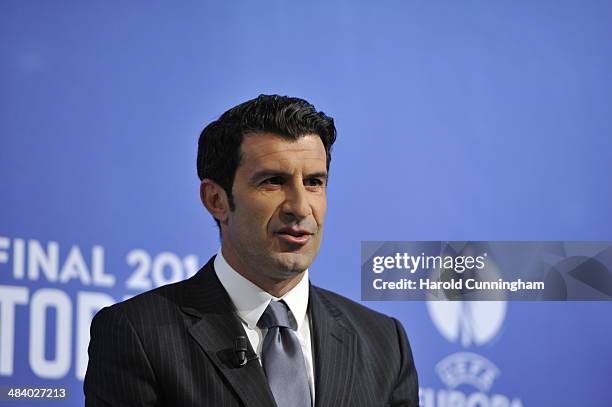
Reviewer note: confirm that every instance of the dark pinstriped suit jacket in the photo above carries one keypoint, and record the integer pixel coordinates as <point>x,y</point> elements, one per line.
<point>172,346</point>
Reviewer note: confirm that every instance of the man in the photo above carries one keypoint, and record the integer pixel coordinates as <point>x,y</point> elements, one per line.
<point>248,329</point>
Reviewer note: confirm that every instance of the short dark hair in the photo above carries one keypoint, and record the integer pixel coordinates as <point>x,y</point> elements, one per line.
<point>219,144</point>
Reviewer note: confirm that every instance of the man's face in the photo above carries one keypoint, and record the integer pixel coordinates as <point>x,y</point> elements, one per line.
<point>280,200</point>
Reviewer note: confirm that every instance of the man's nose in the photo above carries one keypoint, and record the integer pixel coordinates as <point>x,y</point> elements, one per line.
<point>296,203</point>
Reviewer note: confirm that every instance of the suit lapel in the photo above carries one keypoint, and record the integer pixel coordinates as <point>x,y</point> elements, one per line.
<point>334,352</point>
<point>205,298</point>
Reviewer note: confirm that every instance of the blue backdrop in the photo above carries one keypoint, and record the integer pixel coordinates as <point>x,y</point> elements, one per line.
<point>470,120</point>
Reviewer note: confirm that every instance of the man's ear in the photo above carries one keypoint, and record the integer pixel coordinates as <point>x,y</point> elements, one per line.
<point>214,199</point>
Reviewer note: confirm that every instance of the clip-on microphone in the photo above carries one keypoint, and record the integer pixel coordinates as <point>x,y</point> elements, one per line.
<point>241,347</point>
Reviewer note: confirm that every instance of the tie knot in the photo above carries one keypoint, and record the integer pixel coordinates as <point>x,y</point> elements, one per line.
<point>277,314</point>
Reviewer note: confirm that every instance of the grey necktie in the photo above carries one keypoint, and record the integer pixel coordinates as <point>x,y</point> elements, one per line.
<point>283,360</point>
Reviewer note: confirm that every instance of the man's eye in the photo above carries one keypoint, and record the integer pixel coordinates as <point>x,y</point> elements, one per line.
<point>273,181</point>
<point>314,182</point>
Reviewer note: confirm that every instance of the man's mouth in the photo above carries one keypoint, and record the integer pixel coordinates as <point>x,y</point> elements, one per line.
<point>294,235</point>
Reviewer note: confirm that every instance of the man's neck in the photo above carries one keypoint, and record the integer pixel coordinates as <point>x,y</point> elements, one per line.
<point>275,287</point>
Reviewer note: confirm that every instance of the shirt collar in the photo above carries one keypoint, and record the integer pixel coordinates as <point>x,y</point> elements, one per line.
<point>251,301</point>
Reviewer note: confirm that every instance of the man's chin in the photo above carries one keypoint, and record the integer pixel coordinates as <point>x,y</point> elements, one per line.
<point>290,264</point>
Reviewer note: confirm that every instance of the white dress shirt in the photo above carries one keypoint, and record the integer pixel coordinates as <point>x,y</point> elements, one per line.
<point>251,302</point>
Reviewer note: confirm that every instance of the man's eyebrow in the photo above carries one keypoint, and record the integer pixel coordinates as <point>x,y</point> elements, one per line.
<point>318,174</point>
<point>258,175</point>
